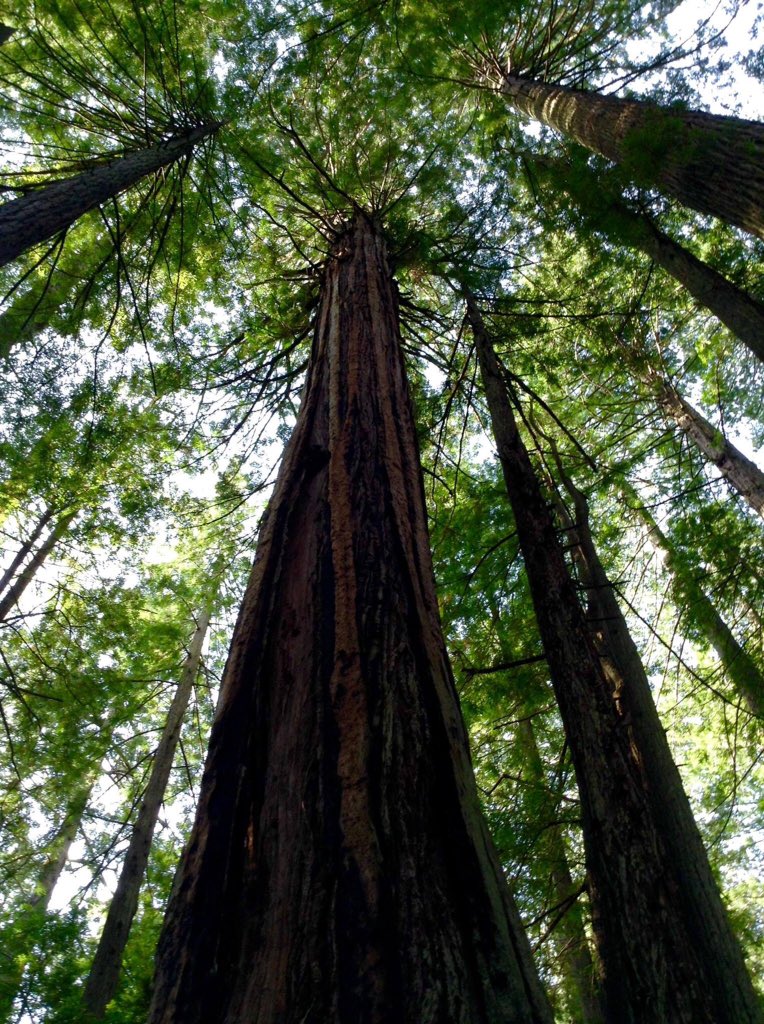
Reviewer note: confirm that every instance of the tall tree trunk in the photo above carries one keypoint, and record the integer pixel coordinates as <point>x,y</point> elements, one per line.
<point>666,948</point>
<point>45,212</point>
<point>14,593</point>
<point>25,548</point>
<point>709,162</point>
<point>606,212</point>
<point>103,979</point>
<point>573,944</point>
<point>16,951</point>
<point>25,577</point>
<point>339,869</point>
<point>701,613</point>
<point>740,473</point>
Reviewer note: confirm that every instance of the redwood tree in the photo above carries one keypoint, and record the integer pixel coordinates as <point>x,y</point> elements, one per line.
<point>339,868</point>
<point>43,213</point>
<point>667,950</point>
<point>708,162</point>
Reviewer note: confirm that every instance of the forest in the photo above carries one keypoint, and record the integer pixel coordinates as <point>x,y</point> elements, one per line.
<point>381,497</point>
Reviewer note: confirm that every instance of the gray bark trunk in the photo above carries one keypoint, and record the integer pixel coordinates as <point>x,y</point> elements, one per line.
<point>700,612</point>
<point>101,985</point>
<point>709,162</point>
<point>43,213</point>
<point>741,474</point>
<point>25,577</point>
<point>24,550</point>
<point>665,945</point>
<point>17,952</point>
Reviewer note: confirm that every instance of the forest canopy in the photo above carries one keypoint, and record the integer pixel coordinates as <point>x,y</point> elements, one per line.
<point>450,318</point>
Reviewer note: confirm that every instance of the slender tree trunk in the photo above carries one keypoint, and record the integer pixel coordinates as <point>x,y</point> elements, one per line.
<point>740,473</point>
<point>339,869</point>
<point>606,212</point>
<point>735,308</point>
<point>14,593</point>
<point>572,943</point>
<point>700,612</point>
<point>665,945</point>
<point>101,985</point>
<point>16,952</point>
<point>45,212</point>
<point>5,33</point>
<point>709,162</point>
<point>25,548</point>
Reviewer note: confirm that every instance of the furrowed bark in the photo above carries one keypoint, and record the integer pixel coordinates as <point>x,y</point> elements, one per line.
<point>700,612</point>
<point>709,162</point>
<point>14,593</point>
<point>658,963</point>
<point>43,213</point>
<point>702,903</point>
<point>102,982</point>
<point>741,474</point>
<point>339,869</point>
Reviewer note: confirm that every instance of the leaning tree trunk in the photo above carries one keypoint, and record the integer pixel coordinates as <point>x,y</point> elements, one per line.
<point>339,869</point>
<point>740,312</point>
<point>101,985</point>
<point>701,614</point>
<point>25,549</point>
<point>14,593</point>
<point>665,945</point>
<point>45,212</point>
<point>709,162</point>
<point>741,474</point>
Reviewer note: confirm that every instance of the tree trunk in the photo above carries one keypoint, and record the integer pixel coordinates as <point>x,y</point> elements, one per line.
<point>25,548</point>
<point>339,869</point>
<point>103,979</point>
<point>740,473</point>
<point>664,943</point>
<point>5,33</point>
<point>25,577</point>
<point>606,212</point>
<point>45,212</point>
<point>573,946</point>
<point>16,952</point>
<point>700,612</point>
<point>709,162</point>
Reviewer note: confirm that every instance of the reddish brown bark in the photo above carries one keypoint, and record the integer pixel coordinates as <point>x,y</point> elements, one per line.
<point>45,212</point>
<point>709,162</point>
<point>666,948</point>
<point>339,869</point>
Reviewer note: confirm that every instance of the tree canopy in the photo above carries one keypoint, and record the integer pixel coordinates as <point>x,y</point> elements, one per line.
<point>175,183</point>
